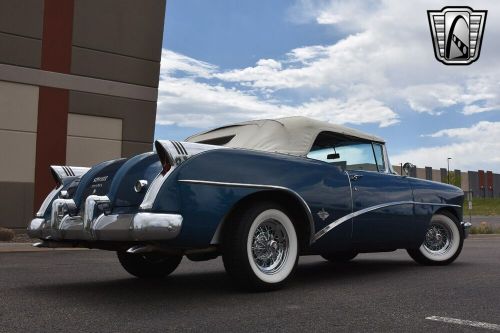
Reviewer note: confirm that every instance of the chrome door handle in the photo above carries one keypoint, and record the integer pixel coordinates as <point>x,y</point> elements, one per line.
<point>355,177</point>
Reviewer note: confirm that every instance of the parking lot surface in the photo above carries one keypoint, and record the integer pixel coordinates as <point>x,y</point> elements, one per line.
<point>88,291</point>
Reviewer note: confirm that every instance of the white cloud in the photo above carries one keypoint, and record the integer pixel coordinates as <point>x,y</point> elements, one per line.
<point>346,15</point>
<point>307,54</point>
<point>472,109</point>
<point>173,63</point>
<point>470,147</point>
<point>186,101</point>
<point>431,97</point>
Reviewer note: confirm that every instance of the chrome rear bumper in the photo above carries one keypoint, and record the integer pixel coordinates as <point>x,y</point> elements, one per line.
<point>124,227</point>
<point>142,226</point>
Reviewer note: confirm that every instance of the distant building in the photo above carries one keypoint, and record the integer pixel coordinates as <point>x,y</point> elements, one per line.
<point>479,183</point>
<point>78,85</point>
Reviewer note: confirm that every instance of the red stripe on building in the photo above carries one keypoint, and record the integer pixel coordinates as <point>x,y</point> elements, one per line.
<point>57,35</point>
<point>50,138</point>
<point>53,103</point>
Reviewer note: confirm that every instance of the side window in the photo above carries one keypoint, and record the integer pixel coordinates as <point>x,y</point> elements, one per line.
<point>344,152</point>
<point>378,149</point>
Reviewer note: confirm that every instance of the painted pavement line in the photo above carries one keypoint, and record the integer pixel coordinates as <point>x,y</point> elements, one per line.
<point>463,322</point>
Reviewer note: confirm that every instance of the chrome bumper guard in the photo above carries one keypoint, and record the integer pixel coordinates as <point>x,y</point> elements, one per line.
<point>141,226</point>
<point>466,226</point>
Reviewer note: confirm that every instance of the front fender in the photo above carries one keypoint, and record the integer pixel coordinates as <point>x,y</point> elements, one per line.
<point>429,198</point>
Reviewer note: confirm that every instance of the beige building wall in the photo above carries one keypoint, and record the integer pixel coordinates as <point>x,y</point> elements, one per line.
<point>95,62</point>
<point>93,139</point>
<point>18,120</point>
<point>18,126</point>
<point>464,179</point>
<point>421,173</point>
<point>436,175</point>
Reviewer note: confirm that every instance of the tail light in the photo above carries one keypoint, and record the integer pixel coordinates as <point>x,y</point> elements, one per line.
<point>165,168</point>
<point>56,176</point>
<point>166,165</point>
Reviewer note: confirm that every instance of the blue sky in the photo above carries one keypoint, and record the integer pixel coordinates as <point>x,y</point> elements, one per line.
<point>364,64</point>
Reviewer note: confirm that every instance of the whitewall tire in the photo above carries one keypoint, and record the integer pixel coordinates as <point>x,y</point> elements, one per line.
<point>260,247</point>
<point>442,243</point>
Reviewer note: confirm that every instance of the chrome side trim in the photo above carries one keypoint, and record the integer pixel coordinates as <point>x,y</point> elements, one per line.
<point>347,217</point>
<point>435,204</point>
<point>262,186</point>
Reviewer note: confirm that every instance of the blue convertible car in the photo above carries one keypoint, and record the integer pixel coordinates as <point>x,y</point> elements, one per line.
<point>260,194</point>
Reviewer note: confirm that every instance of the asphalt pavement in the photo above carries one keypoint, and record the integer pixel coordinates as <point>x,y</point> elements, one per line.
<point>88,291</point>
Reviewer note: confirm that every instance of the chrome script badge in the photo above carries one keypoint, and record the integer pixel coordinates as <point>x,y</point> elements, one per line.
<point>457,33</point>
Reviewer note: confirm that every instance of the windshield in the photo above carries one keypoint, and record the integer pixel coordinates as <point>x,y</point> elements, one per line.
<point>347,156</point>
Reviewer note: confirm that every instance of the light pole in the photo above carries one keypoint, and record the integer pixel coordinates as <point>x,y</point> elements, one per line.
<point>448,160</point>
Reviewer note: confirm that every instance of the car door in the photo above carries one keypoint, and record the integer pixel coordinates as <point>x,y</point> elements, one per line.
<point>382,203</point>
<point>329,199</point>
<point>332,210</point>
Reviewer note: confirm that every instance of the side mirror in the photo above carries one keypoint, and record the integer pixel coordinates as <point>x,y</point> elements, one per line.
<point>333,156</point>
<point>407,168</point>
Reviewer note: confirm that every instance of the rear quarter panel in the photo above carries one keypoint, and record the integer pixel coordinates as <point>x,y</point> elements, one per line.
<point>205,206</point>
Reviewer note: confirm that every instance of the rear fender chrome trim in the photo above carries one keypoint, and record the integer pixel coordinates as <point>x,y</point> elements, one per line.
<point>177,153</point>
<point>260,186</point>
<point>48,200</point>
<point>347,217</point>
<point>63,171</point>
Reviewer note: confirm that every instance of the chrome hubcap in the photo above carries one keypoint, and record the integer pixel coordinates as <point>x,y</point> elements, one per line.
<point>270,246</point>
<point>439,239</point>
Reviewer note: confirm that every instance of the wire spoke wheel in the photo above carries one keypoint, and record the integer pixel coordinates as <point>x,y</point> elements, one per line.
<point>439,238</point>
<point>270,246</point>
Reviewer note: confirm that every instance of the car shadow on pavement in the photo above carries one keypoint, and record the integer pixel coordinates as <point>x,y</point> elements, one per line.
<point>188,286</point>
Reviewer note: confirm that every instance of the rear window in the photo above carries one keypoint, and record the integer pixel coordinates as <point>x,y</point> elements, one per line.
<point>221,141</point>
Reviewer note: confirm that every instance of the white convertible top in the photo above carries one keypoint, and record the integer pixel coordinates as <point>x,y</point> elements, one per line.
<point>290,135</point>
